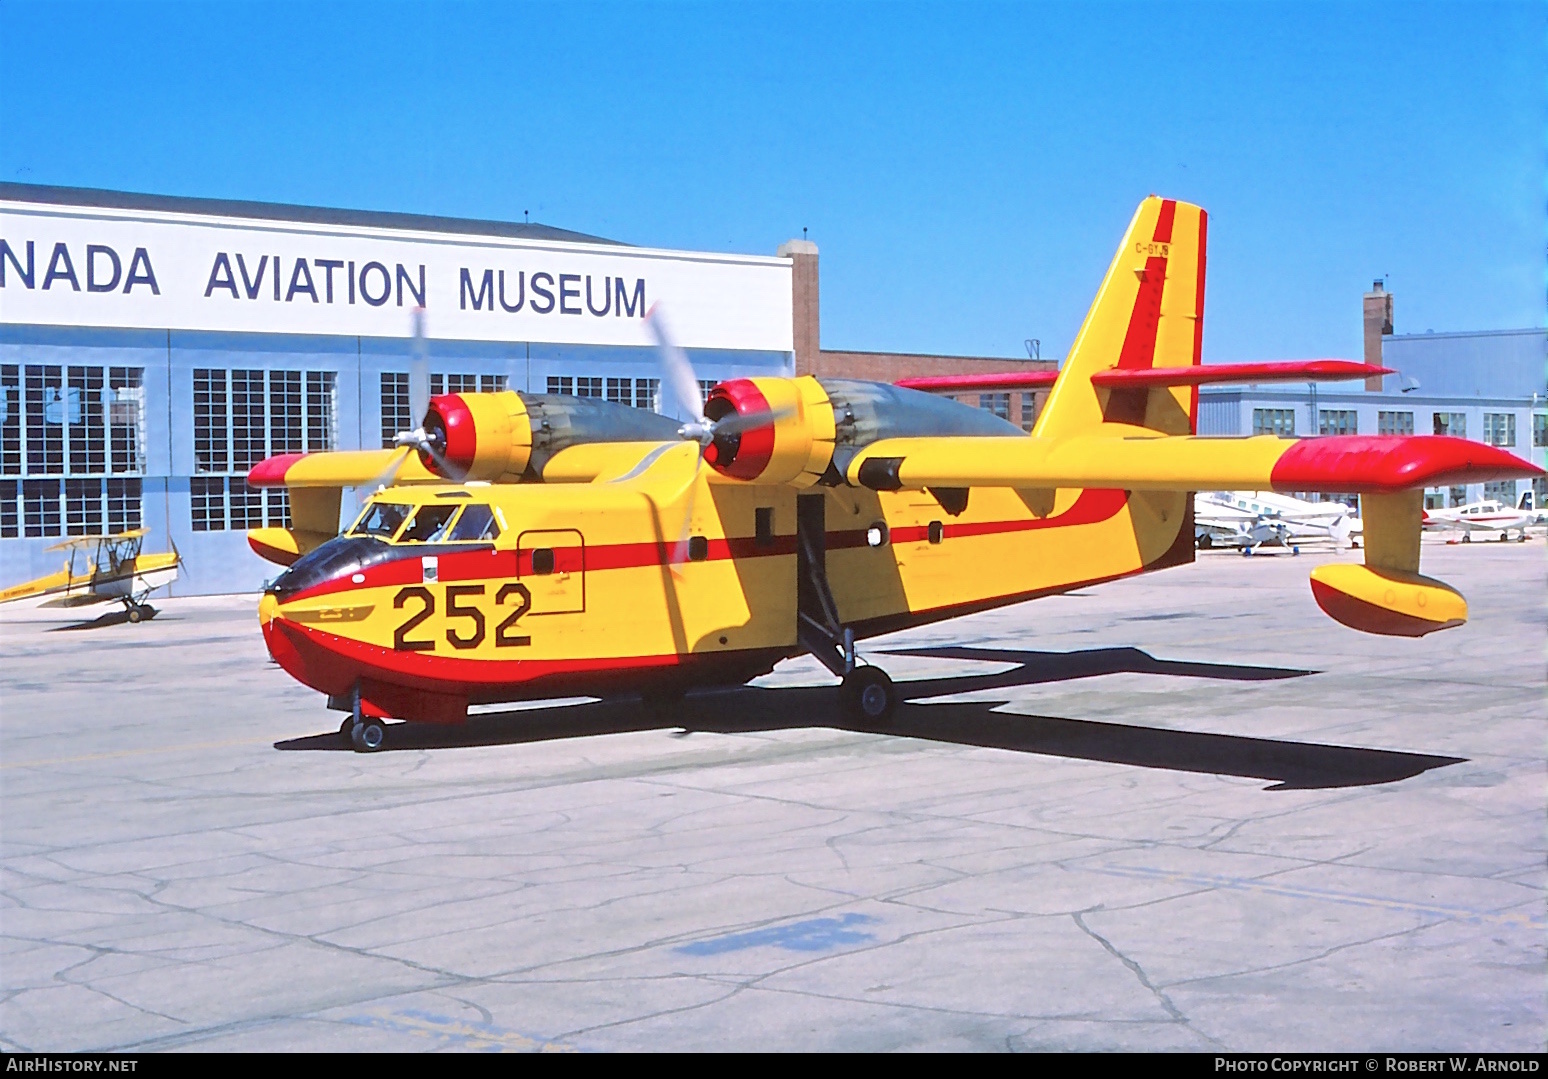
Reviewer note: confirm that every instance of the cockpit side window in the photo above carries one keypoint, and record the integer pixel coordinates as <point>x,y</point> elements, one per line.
<point>381,519</point>
<point>429,524</point>
<point>476,523</point>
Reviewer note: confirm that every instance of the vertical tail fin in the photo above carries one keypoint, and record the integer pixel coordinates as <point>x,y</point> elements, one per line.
<point>1149,312</point>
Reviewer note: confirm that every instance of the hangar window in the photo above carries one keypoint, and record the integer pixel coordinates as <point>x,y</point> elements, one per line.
<point>1338,421</point>
<point>1502,491</point>
<point>1028,411</point>
<point>1500,428</point>
<point>76,424</point>
<point>242,416</point>
<point>635,392</point>
<point>998,403</point>
<point>1451,423</point>
<point>40,508</point>
<point>396,414</point>
<point>444,383</point>
<point>1458,496</point>
<point>1394,423</point>
<point>1273,421</point>
<point>123,505</point>
<point>577,386</point>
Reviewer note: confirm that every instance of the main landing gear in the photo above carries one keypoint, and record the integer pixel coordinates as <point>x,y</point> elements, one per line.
<point>868,696</point>
<point>365,733</point>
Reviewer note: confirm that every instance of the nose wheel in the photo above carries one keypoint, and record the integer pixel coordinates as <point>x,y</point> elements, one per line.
<point>364,733</point>
<point>869,697</point>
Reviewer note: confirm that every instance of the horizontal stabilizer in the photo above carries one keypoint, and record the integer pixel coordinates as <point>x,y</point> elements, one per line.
<point>1146,377</point>
<point>1213,373</point>
<point>1000,380</point>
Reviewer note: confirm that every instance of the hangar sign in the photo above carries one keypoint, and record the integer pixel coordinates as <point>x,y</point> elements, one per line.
<point>152,270</point>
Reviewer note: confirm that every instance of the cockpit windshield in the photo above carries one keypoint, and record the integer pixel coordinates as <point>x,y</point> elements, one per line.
<point>429,524</point>
<point>433,522</point>
<point>476,523</point>
<point>381,519</point>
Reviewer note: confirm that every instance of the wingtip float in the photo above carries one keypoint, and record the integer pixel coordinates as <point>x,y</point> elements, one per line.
<point>540,545</point>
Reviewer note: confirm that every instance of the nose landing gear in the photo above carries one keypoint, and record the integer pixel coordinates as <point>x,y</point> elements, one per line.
<point>366,734</point>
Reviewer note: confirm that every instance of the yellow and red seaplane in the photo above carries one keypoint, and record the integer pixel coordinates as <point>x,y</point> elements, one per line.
<point>525,545</point>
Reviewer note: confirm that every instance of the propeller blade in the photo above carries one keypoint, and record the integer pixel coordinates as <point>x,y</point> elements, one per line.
<point>419,369</point>
<point>683,394</point>
<point>738,422</point>
<point>390,473</point>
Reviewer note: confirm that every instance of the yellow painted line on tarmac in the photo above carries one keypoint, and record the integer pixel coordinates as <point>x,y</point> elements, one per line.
<point>136,753</point>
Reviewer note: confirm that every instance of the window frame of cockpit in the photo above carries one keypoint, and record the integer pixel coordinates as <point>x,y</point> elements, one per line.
<point>496,520</point>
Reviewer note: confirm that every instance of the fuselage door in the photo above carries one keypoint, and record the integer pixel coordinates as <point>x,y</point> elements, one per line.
<point>551,562</point>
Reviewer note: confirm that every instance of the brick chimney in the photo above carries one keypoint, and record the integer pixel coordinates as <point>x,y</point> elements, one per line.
<point>1378,322</point>
<point>804,307</point>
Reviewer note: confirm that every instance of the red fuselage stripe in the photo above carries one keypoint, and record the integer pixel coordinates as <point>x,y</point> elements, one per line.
<point>1092,506</point>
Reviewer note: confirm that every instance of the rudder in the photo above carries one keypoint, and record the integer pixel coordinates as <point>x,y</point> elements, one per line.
<point>1149,312</point>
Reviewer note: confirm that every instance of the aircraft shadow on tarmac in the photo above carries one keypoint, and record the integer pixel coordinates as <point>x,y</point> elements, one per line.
<point>117,617</point>
<point>1291,765</point>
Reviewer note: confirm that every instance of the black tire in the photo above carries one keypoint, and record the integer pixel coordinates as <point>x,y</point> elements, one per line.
<point>868,696</point>
<point>368,737</point>
<point>346,730</point>
<point>1205,542</point>
<point>135,614</point>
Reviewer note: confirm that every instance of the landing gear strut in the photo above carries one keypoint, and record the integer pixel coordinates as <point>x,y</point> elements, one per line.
<point>867,694</point>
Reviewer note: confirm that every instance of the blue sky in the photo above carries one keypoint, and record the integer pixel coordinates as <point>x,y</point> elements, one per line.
<point>966,169</point>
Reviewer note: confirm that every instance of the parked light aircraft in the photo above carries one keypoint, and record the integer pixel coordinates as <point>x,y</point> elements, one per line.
<point>1249,519</point>
<point>562,546</point>
<point>1527,503</point>
<point>1486,516</point>
<point>101,569</point>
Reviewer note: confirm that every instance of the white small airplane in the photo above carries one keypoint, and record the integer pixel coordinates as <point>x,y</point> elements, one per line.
<point>1250,519</point>
<point>1528,503</point>
<point>1485,516</point>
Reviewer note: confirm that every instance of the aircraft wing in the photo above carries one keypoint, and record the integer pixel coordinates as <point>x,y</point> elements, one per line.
<point>338,468</point>
<point>41,586</point>
<point>1138,459</point>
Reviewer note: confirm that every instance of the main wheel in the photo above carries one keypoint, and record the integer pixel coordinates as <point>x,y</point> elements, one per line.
<point>1204,542</point>
<point>347,730</point>
<point>1467,537</point>
<point>868,695</point>
<point>368,737</point>
<point>136,614</point>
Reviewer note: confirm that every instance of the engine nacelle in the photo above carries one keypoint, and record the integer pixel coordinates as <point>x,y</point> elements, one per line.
<point>795,449</point>
<point>823,423</point>
<point>484,436</point>
<point>507,436</point>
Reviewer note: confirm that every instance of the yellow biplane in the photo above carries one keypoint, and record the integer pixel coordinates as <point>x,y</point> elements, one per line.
<point>101,569</point>
<point>524,545</point>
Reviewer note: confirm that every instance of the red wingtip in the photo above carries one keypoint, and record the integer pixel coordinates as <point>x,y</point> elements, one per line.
<point>1383,463</point>
<point>270,472</point>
